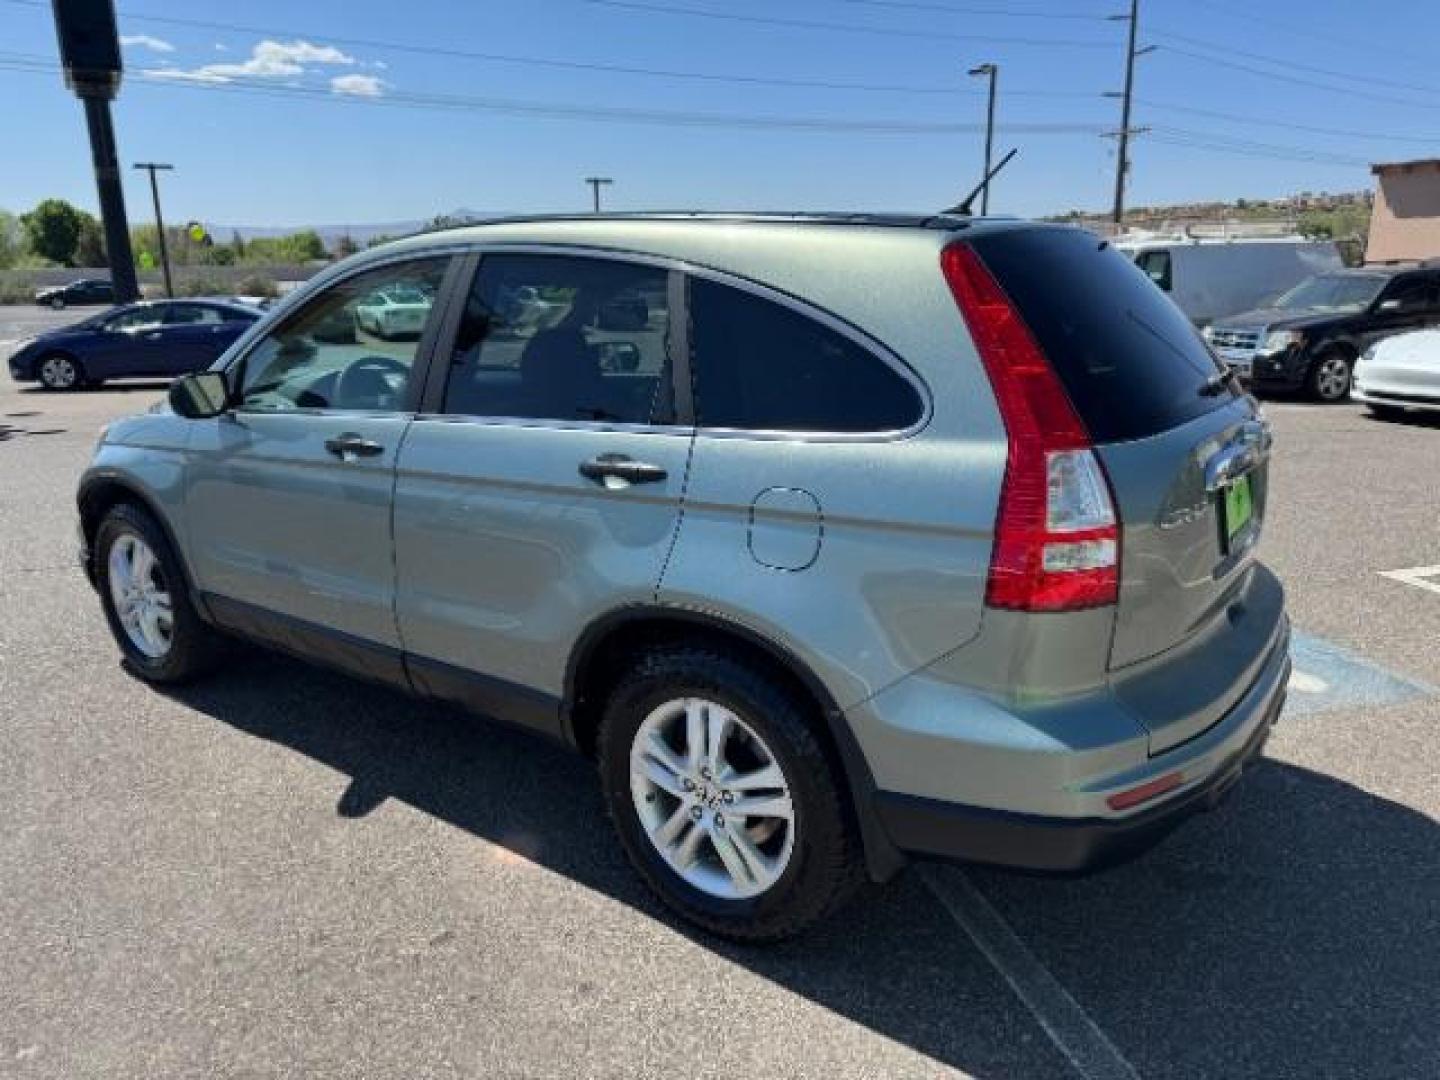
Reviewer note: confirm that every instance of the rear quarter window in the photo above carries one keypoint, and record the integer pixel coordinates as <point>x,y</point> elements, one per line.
<point>1129,359</point>
<point>762,366</point>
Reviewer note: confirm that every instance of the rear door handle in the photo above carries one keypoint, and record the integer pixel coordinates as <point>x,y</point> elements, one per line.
<point>349,446</point>
<point>618,467</point>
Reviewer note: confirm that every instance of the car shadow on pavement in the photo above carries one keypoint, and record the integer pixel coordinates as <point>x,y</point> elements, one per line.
<point>1294,931</point>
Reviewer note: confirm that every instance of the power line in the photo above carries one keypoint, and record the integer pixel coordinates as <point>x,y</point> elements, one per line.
<point>1171,136</point>
<point>958,9</point>
<point>1349,76</point>
<point>567,111</point>
<point>1295,80</point>
<point>847,28</point>
<point>1293,29</point>
<point>571,65</point>
<point>1257,121</point>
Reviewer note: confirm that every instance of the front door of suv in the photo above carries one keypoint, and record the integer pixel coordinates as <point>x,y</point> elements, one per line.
<point>541,486</point>
<point>289,495</point>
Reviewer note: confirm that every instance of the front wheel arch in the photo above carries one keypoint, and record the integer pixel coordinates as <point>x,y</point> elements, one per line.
<point>98,496</point>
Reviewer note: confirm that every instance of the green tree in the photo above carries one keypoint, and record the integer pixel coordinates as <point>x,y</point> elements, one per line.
<point>90,244</point>
<point>12,240</point>
<point>52,230</point>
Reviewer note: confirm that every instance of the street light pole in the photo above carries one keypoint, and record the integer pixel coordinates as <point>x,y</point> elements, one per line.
<point>993,72</point>
<point>152,167</point>
<point>595,183</point>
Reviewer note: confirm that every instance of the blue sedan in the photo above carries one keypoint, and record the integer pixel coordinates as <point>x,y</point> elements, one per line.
<point>162,338</point>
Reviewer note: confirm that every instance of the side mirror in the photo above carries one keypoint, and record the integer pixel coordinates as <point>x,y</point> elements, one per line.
<point>200,396</point>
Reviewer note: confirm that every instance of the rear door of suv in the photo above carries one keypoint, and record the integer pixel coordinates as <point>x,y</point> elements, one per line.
<point>540,487</point>
<point>1187,459</point>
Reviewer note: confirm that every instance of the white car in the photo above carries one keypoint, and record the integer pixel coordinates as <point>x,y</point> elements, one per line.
<point>393,311</point>
<point>1402,372</point>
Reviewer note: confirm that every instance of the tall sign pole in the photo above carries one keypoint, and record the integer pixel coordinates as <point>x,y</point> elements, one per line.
<point>90,53</point>
<point>1132,52</point>
<point>596,182</point>
<point>991,71</point>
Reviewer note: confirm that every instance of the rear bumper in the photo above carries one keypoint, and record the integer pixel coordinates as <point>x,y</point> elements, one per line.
<point>1210,764</point>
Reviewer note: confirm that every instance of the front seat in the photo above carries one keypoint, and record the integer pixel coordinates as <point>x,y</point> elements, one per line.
<point>560,376</point>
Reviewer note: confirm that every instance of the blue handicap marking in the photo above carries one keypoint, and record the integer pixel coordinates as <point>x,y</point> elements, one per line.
<point>1328,677</point>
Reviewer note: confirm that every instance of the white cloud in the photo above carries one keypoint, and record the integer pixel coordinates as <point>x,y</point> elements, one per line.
<point>145,41</point>
<point>380,65</point>
<point>268,60</point>
<point>178,75</point>
<point>221,48</point>
<point>358,85</point>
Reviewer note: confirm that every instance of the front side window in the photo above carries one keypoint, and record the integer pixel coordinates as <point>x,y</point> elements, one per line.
<point>329,355</point>
<point>558,337</point>
<point>184,314</point>
<point>761,366</point>
<point>136,319</point>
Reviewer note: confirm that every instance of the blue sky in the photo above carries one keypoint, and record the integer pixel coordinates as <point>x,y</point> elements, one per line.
<point>269,138</point>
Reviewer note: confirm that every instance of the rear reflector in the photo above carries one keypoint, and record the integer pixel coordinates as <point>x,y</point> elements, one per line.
<point>1057,542</point>
<point>1123,800</point>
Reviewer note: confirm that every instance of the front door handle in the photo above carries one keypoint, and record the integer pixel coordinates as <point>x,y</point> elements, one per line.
<point>617,470</point>
<point>349,446</point>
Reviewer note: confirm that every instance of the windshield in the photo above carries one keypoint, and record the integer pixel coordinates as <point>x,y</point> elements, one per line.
<point>1333,292</point>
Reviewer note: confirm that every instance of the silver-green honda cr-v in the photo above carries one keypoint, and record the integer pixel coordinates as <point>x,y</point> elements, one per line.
<point>835,540</point>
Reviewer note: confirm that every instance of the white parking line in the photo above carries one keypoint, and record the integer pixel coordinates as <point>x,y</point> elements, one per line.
<point>1417,576</point>
<point>1069,1027</point>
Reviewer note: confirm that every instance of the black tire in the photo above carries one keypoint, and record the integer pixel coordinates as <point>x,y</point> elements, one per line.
<point>195,647</point>
<point>826,864</point>
<point>1321,383</point>
<point>57,302</point>
<point>58,384</point>
<point>1385,412</point>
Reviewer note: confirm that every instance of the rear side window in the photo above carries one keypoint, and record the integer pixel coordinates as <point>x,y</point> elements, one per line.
<point>761,366</point>
<point>1130,360</point>
<point>568,338</point>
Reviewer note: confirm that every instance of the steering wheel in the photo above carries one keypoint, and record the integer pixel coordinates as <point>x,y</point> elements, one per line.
<point>366,383</point>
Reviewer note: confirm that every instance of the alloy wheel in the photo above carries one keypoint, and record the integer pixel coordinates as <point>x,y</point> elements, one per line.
<point>712,798</point>
<point>1333,378</point>
<point>142,601</point>
<point>58,372</point>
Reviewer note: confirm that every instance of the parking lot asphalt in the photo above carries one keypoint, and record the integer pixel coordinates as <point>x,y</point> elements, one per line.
<point>281,872</point>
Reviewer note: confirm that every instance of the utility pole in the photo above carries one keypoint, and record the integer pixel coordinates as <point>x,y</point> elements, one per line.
<point>595,183</point>
<point>90,53</point>
<point>1122,169</point>
<point>993,71</point>
<point>152,167</point>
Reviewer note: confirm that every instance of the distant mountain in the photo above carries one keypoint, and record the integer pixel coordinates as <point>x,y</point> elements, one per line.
<point>361,232</point>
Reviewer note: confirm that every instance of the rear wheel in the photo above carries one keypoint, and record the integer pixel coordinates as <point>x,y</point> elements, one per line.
<point>146,601</point>
<point>724,797</point>
<point>1329,376</point>
<point>59,371</point>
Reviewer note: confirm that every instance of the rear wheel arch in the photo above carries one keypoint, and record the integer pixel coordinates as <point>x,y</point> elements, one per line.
<point>600,659</point>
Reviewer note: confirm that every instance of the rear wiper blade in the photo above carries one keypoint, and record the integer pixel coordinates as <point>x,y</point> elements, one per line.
<point>1218,383</point>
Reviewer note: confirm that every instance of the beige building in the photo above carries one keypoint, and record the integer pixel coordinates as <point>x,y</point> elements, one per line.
<point>1405,226</point>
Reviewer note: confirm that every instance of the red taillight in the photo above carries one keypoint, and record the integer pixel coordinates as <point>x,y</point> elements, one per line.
<point>1057,542</point>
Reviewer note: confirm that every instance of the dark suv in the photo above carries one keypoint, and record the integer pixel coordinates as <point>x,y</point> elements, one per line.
<point>1310,338</point>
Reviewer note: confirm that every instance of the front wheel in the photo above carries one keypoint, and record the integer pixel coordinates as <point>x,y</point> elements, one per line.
<point>60,372</point>
<point>724,797</point>
<point>146,601</point>
<point>1329,378</point>
<point>57,302</point>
